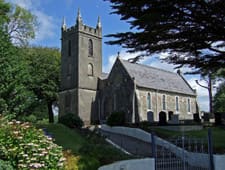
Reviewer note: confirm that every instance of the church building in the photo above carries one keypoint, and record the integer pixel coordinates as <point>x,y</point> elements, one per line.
<point>138,90</point>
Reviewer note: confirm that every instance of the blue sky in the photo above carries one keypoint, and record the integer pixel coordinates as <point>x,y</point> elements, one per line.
<point>51,12</point>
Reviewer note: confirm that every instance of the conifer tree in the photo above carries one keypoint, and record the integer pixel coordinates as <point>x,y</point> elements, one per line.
<point>191,31</point>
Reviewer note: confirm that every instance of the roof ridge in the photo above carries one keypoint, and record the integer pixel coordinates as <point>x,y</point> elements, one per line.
<point>144,65</point>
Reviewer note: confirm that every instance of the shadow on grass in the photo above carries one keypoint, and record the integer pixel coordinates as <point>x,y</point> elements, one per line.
<point>84,150</point>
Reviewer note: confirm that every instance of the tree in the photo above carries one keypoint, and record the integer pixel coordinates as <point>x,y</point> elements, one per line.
<point>191,31</point>
<point>4,10</point>
<point>44,65</point>
<point>15,98</point>
<point>19,23</point>
<point>210,80</point>
<point>219,99</point>
<point>21,26</point>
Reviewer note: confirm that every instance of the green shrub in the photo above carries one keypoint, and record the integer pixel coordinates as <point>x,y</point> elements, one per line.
<point>88,163</point>
<point>116,119</point>
<point>26,147</point>
<point>43,121</point>
<point>71,120</point>
<point>5,165</point>
<point>28,118</point>
<point>144,124</point>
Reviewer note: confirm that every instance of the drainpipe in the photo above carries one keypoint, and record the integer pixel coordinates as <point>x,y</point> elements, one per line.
<point>99,110</point>
<point>133,101</point>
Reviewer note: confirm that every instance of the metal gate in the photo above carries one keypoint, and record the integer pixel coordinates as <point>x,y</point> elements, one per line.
<point>185,153</point>
<point>182,153</point>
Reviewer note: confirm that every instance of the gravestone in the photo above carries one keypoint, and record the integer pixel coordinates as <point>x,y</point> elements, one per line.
<point>170,115</point>
<point>175,119</point>
<point>150,116</point>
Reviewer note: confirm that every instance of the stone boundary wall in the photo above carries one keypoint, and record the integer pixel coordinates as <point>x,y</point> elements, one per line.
<point>182,128</point>
<point>134,164</point>
<point>194,159</point>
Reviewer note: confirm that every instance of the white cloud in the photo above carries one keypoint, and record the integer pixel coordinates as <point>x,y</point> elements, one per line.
<point>46,28</point>
<point>27,4</point>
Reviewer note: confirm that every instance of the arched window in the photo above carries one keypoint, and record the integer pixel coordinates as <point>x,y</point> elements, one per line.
<point>90,48</point>
<point>164,102</point>
<point>177,103</point>
<point>188,105</point>
<point>90,69</point>
<point>149,102</point>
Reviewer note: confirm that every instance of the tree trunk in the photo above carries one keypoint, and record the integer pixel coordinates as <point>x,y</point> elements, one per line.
<point>210,95</point>
<point>50,112</point>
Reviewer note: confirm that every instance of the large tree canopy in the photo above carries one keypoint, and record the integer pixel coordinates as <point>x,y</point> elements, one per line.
<point>29,76</point>
<point>44,65</point>
<point>15,98</point>
<point>191,31</point>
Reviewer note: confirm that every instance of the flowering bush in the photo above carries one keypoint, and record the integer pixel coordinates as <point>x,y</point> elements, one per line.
<point>26,147</point>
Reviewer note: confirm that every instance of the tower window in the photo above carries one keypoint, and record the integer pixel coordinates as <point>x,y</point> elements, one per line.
<point>149,102</point>
<point>90,48</point>
<point>69,48</point>
<point>188,105</point>
<point>90,70</point>
<point>177,103</point>
<point>164,102</point>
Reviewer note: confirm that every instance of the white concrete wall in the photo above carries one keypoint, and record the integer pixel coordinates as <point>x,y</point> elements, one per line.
<point>135,164</point>
<point>132,132</point>
<point>219,162</point>
<point>193,159</point>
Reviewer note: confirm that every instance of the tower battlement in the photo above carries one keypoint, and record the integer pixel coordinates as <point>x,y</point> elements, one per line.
<point>85,29</point>
<point>80,27</point>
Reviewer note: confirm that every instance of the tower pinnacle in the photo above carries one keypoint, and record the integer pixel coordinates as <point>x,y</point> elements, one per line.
<point>79,18</point>
<point>64,23</point>
<point>99,25</point>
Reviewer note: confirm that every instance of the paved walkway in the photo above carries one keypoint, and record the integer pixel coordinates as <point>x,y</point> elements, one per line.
<point>130,144</point>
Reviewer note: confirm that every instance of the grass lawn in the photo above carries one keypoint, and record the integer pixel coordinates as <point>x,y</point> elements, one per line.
<point>83,150</point>
<point>218,136</point>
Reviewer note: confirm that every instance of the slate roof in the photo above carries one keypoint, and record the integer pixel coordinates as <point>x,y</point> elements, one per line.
<point>155,78</point>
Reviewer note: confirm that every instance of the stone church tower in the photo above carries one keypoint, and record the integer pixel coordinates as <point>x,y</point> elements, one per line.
<point>81,65</point>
